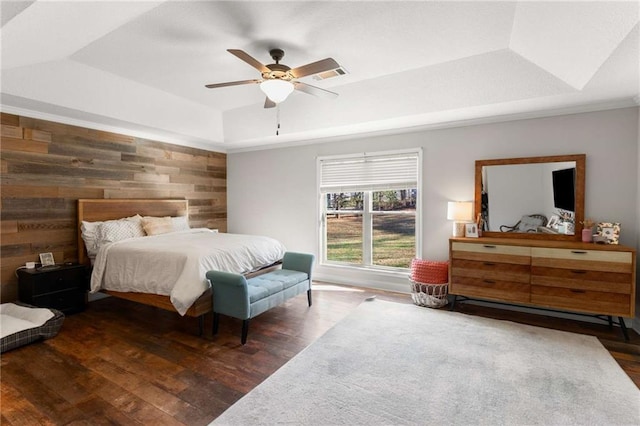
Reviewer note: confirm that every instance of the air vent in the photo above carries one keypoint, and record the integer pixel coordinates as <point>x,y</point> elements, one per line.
<point>330,74</point>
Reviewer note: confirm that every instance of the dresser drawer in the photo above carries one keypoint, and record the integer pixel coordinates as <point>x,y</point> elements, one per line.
<point>582,255</point>
<point>582,279</point>
<point>491,253</point>
<point>490,270</point>
<point>492,248</point>
<point>586,260</point>
<point>488,288</point>
<point>597,302</point>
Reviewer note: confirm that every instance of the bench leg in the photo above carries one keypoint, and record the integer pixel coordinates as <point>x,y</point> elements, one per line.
<point>216,322</point>
<point>309,296</point>
<point>245,331</point>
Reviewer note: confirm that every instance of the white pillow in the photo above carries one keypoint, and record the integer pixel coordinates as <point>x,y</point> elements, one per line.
<point>116,230</point>
<point>180,223</point>
<point>89,231</point>
<point>93,236</point>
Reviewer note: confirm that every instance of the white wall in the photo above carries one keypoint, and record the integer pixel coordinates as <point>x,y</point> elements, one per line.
<point>273,192</point>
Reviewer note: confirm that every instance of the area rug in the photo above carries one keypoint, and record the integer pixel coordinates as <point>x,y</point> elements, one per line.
<point>397,364</point>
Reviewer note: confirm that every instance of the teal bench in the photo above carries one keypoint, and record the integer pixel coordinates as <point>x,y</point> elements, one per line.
<point>238,297</point>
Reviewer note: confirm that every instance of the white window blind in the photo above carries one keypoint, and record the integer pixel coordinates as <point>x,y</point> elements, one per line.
<point>369,172</point>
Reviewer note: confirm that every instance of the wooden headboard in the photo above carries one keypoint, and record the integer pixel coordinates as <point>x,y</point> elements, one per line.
<point>109,209</point>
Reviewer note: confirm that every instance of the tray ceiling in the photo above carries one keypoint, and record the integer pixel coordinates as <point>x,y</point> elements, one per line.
<point>141,67</point>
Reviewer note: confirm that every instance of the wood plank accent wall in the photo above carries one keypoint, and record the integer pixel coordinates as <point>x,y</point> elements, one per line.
<point>45,167</point>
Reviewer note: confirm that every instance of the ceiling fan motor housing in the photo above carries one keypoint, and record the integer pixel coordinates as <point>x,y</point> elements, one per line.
<point>278,71</point>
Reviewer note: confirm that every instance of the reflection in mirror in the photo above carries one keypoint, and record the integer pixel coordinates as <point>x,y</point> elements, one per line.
<point>536,197</point>
<point>523,197</point>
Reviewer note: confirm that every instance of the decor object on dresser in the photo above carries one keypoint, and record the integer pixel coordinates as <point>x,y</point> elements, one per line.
<point>561,275</point>
<point>398,364</point>
<point>459,212</point>
<point>587,230</point>
<point>62,287</point>
<point>237,297</point>
<point>609,232</point>
<point>23,324</point>
<point>471,230</point>
<point>429,281</point>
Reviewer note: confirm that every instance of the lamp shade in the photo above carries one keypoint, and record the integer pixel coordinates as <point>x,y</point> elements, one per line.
<point>460,211</point>
<point>276,90</point>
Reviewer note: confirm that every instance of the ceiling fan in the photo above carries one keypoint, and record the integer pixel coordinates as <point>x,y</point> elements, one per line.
<point>279,80</point>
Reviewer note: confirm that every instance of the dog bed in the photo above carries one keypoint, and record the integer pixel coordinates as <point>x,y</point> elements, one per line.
<point>21,324</point>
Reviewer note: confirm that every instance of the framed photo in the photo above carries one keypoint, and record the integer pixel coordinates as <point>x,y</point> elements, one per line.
<point>609,231</point>
<point>471,230</point>
<point>553,221</point>
<point>47,259</point>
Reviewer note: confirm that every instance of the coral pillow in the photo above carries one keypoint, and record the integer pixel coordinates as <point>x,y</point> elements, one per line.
<point>430,272</point>
<point>157,225</point>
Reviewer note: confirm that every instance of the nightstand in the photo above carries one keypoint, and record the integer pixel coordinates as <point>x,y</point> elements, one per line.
<point>61,287</point>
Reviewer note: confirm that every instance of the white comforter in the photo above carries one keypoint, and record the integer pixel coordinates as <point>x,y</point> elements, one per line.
<point>175,264</point>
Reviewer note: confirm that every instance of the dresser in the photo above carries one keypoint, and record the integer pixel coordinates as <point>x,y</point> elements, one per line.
<point>568,276</point>
<point>62,287</point>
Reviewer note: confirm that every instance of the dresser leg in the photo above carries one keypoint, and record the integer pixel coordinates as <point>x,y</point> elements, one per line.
<point>623,326</point>
<point>610,320</point>
<point>453,304</point>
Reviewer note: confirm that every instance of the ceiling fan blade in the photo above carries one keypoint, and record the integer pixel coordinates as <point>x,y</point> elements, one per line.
<point>241,54</point>
<point>315,91</point>
<point>268,103</point>
<point>315,68</point>
<point>231,83</point>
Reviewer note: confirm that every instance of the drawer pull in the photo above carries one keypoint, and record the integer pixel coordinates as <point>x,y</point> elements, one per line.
<point>488,246</point>
<point>578,252</point>
<point>578,271</point>
<point>489,281</point>
<point>573,290</point>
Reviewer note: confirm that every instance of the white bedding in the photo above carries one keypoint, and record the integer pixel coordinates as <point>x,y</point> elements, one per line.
<point>175,264</point>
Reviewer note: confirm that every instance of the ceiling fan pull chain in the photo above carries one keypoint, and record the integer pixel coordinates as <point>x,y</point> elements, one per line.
<point>277,119</point>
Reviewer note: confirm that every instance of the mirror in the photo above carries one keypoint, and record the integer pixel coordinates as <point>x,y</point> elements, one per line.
<point>532,197</point>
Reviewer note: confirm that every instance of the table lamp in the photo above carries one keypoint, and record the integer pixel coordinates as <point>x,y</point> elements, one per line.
<point>460,212</point>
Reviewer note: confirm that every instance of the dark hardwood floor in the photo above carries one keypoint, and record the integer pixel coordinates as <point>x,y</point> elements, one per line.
<point>124,363</point>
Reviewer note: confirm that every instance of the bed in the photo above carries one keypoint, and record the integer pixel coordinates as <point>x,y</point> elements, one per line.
<point>101,210</point>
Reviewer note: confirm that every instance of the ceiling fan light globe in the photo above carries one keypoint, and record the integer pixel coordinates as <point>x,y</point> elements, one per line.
<point>277,90</point>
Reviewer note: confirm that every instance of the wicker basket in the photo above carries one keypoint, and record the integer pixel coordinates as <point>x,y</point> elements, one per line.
<point>429,295</point>
<point>429,282</point>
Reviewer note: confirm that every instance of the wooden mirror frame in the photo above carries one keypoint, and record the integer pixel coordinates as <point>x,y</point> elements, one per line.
<point>580,160</point>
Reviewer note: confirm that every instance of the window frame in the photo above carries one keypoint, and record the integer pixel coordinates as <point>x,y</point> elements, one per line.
<point>367,214</point>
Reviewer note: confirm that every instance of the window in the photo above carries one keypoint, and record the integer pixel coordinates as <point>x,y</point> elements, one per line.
<point>369,209</point>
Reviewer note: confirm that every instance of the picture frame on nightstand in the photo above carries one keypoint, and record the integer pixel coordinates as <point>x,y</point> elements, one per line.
<point>471,230</point>
<point>46,259</point>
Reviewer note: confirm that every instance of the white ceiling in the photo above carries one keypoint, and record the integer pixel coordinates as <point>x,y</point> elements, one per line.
<point>140,66</point>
